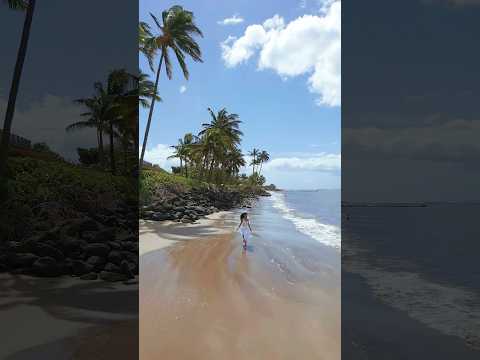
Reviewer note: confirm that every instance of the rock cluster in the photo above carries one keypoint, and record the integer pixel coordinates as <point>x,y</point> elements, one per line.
<point>103,245</point>
<point>191,205</point>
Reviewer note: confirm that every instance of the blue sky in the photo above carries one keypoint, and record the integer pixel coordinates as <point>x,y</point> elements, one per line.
<point>280,75</point>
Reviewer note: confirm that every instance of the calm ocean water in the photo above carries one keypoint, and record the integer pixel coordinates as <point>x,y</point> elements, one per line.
<point>427,268</point>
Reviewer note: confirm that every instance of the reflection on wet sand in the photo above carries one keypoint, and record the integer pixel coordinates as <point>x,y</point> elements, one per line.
<point>208,299</point>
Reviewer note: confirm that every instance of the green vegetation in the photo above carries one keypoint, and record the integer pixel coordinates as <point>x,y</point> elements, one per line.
<point>36,181</point>
<point>214,154</point>
<point>113,110</point>
<point>76,189</point>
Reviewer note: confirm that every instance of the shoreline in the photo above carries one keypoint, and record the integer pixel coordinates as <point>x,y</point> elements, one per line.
<point>210,300</point>
<point>156,235</point>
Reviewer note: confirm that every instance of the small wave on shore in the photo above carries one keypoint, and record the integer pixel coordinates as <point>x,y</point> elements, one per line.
<point>324,233</point>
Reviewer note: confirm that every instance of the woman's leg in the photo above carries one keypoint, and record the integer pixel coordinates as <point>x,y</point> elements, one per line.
<point>244,242</point>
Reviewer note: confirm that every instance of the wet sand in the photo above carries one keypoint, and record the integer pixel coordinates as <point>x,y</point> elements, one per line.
<point>208,299</point>
<point>67,318</point>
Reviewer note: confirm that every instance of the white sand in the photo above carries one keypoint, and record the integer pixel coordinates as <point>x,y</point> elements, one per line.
<point>156,235</point>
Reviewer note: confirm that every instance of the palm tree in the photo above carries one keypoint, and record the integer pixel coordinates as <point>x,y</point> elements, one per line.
<point>254,154</point>
<point>146,90</point>
<point>263,157</point>
<point>182,151</point>
<point>219,137</point>
<point>136,91</point>
<point>146,43</point>
<point>29,7</point>
<point>111,108</point>
<point>117,88</point>
<point>234,162</point>
<point>98,109</point>
<point>227,123</point>
<point>176,30</point>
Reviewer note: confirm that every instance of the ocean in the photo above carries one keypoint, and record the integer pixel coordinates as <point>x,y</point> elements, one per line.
<point>417,266</point>
<point>298,232</point>
<point>314,213</point>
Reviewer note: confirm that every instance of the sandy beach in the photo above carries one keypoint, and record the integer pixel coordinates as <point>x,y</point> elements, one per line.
<point>67,318</point>
<point>203,297</point>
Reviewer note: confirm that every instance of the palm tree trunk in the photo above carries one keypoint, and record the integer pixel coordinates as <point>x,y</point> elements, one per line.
<point>12,97</point>
<point>100,148</point>
<point>261,163</point>
<point>112,155</point>
<point>149,121</point>
<point>204,167</point>
<point>125,156</point>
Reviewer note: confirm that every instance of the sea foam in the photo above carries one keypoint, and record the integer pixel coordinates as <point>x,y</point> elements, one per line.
<point>324,233</point>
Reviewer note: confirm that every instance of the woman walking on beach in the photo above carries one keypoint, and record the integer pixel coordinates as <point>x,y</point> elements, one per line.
<point>245,229</point>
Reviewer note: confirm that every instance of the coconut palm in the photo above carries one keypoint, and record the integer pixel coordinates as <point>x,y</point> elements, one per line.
<point>227,124</point>
<point>96,115</point>
<point>263,157</point>
<point>219,137</point>
<point>29,7</point>
<point>177,29</point>
<point>146,43</point>
<point>146,90</point>
<point>112,107</point>
<point>254,154</point>
<point>117,87</point>
<point>234,162</point>
<point>134,91</point>
<point>182,151</point>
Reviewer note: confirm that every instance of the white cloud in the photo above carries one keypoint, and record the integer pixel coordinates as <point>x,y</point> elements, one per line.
<point>302,170</point>
<point>451,141</point>
<point>308,45</point>
<point>45,120</point>
<point>183,88</point>
<point>308,162</point>
<point>159,155</point>
<point>234,20</point>
<point>320,161</point>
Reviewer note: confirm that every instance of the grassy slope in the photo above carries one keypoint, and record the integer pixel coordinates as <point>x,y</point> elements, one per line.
<point>153,179</point>
<point>35,181</point>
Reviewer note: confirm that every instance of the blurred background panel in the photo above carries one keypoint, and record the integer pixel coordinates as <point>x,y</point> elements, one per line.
<point>410,155</point>
<point>68,165</point>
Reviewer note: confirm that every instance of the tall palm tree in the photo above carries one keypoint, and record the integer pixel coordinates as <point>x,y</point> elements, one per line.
<point>228,124</point>
<point>117,88</point>
<point>182,151</point>
<point>263,157</point>
<point>146,43</point>
<point>109,109</point>
<point>219,137</point>
<point>176,31</point>
<point>254,154</point>
<point>98,108</point>
<point>234,162</point>
<point>135,91</point>
<point>146,90</point>
<point>29,7</point>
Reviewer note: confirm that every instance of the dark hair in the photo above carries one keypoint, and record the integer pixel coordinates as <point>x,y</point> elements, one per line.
<point>243,216</point>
